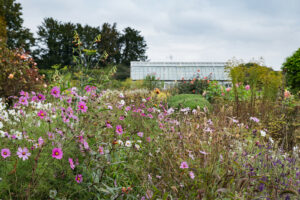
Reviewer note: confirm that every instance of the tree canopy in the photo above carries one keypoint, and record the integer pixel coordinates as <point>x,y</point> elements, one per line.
<point>55,43</point>
<point>291,69</point>
<point>16,35</point>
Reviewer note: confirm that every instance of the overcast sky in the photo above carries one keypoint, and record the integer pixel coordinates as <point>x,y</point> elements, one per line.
<point>188,30</point>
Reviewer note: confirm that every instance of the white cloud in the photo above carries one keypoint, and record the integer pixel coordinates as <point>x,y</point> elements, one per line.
<point>189,30</point>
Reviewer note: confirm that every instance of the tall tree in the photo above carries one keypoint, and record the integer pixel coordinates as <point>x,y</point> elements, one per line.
<point>16,35</point>
<point>133,46</point>
<point>291,69</point>
<point>55,43</point>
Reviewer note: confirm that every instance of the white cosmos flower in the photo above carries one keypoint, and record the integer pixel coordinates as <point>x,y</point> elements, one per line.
<point>263,133</point>
<point>120,142</point>
<point>2,133</point>
<point>128,143</point>
<point>137,146</point>
<point>19,135</point>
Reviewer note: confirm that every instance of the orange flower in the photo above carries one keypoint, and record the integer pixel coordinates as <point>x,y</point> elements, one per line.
<point>157,91</point>
<point>11,76</point>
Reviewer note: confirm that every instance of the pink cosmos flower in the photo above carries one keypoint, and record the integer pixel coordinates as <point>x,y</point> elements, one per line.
<point>23,101</point>
<point>140,134</point>
<point>119,129</point>
<point>50,136</point>
<point>228,89</point>
<point>88,88</point>
<point>78,178</point>
<point>5,153</point>
<point>40,97</point>
<point>121,117</point>
<point>82,106</point>
<point>101,151</point>
<point>71,163</point>
<point>184,165</point>
<point>57,153</point>
<point>42,114</point>
<point>247,87</point>
<point>148,139</point>
<point>192,175</point>
<point>23,153</point>
<point>108,124</point>
<point>40,141</point>
<point>128,108</point>
<point>55,92</point>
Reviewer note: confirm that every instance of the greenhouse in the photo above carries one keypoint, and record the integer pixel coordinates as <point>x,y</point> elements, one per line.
<point>174,71</point>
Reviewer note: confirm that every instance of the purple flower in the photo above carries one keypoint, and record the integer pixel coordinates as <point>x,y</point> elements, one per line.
<point>40,97</point>
<point>247,87</point>
<point>55,92</point>
<point>82,106</point>
<point>23,101</point>
<point>5,153</point>
<point>192,175</point>
<point>71,163</point>
<point>42,114</point>
<point>254,119</point>
<point>101,151</point>
<point>184,165</point>
<point>119,129</point>
<point>78,178</point>
<point>23,153</point>
<point>57,153</point>
<point>140,134</point>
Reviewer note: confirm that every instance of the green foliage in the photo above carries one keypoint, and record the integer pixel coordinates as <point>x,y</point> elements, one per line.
<point>133,46</point>
<point>188,100</point>
<point>151,82</point>
<point>258,77</point>
<point>17,72</point>
<point>17,35</point>
<point>291,69</point>
<point>123,72</point>
<point>194,86</point>
<point>56,47</point>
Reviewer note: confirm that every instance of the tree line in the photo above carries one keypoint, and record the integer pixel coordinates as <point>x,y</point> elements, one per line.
<point>53,43</point>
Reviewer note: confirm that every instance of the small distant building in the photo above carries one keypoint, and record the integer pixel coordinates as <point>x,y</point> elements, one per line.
<point>175,71</point>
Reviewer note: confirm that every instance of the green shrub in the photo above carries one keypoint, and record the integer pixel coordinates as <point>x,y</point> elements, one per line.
<point>17,72</point>
<point>195,86</point>
<point>291,69</point>
<point>188,100</point>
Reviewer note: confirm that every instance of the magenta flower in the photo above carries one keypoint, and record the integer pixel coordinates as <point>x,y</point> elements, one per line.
<point>82,106</point>
<point>247,87</point>
<point>23,101</point>
<point>78,178</point>
<point>50,136</point>
<point>148,139</point>
<point>121,117</point>
<point>119,129</point>
<point>71,163</point>
<point>192,175</point>
<point>101,151</point>
<point>184,165</point>
<point>55,92</point>
<point>42,114</point>
<point>108,124</point>
<point>57,153</point>
<point>40,97</point>
<point>40,141</point>
<point>140,134</point>
<point>23,153</point>
<point>88,88</point>
<point>5,153</point>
